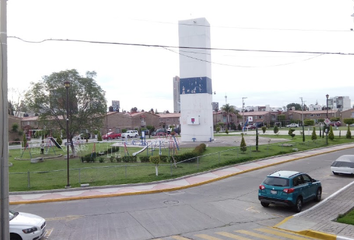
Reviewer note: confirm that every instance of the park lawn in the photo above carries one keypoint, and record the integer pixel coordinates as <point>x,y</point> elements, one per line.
<point>347,218</point>
<point>52,173</point>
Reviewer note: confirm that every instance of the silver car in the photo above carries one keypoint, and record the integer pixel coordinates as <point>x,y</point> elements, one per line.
<point>343,165</point>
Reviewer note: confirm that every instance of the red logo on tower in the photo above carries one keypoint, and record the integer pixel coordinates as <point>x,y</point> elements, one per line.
<point>193,120</point>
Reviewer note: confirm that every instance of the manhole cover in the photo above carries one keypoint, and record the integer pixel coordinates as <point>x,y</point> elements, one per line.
<point>171,202</point>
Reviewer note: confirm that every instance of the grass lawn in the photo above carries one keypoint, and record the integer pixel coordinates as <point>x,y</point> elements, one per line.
<point>347,218</point>
<point>52,172</point>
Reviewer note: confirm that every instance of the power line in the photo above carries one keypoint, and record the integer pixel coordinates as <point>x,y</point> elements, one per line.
<point>180,47</point>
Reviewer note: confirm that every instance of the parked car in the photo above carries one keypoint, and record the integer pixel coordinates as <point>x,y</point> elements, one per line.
<point>292,125</point>
<point>343,165</point>
<point>250,127</point>
<point>26,226</point>
<point>111,135</point>
<point>335,124</point>
<point>130,134</point>
<point>160,132</point>
<point>289,188</point>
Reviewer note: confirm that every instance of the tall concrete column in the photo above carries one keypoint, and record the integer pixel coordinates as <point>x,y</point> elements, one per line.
<point>195,81</point>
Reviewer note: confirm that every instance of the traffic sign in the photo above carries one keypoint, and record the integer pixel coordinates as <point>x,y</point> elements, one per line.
<point>327,121</point>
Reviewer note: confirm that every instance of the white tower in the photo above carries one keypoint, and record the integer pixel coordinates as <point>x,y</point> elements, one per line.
<point>195,81</point>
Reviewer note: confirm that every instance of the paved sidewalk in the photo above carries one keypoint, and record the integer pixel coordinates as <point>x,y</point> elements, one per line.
<point>315,222</point>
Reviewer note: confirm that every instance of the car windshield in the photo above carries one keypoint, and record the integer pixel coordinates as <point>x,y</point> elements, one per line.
<point>343,164</point>
<point>12,215</point>
<point>275,181</point>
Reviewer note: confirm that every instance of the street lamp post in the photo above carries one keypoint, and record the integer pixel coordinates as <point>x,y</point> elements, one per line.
<point>67,85</point>
<point>243,114</point>
<point>327,128</point>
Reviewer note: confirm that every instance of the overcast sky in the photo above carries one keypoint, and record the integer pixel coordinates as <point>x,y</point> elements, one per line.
<point>142,76</point>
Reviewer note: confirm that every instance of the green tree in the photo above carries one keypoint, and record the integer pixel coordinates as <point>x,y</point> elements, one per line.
<point>291,132</point>
<point>87,103</point>
<point>309,122</point>
<point>349,133</point>
<point>281,118</point>
<point>276,129</point>
<point>264,128</point>
<point>348,121</point>
<point>14,127</point>
<point>256,139</point>
<point>24,141</point>
<point>59,140</point>
<point>296,105</point>
<point>99,137</point>
<point>331,135</point>
<point>314,135</point>
<point>243,145</point>
<point>155,160</point>
<point>228,109</point>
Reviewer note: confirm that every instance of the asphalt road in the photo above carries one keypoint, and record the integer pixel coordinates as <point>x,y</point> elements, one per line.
<point>226,205</point>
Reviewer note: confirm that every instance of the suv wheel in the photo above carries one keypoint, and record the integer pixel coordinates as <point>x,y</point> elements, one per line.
<point>265,204</point>
<point>298,205</point>
<point>318,195</point>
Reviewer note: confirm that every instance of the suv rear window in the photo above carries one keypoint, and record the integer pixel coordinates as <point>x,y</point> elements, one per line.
<point>275,181</point>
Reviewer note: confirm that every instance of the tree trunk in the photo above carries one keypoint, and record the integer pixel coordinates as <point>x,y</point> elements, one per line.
<point>156,170</point>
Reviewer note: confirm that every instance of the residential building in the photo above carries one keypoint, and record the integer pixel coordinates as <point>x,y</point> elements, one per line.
<point>340,103</point>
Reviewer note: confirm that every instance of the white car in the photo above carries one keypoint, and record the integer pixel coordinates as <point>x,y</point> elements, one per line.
<point>292,125</point>
<point>130,134</point>
<point>343,165</point>
<point>26,226</point>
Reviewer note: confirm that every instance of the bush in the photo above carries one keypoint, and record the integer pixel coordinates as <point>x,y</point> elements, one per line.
<point>314,136</point>
<point>101,160</point>
<point>155,159</point>
<point>291,132</point>
<point>200,149</point>
<point>264,128</point>
<point>99,137</point>
<point>188,155</point>
<point>276,129</point>
<point>144,159</point>
<point>331,135</point>
<point>349,133</point>
<point>129,159</point>
<point>59,141</point>
<point>243,145</point>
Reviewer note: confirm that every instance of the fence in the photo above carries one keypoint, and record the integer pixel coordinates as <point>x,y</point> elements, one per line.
<point>122,173</point>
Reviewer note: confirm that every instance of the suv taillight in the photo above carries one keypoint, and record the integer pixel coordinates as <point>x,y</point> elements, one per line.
<point>288,190</point>
<point>261,187</point>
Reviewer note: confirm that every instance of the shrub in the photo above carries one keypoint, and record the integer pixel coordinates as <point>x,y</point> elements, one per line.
<point>144,159</point>
<point>101,160</point>
<point>111,158</point>
<point>14,127</point>
<point>349,133</point>
<point>217,129</point>
<point>99,137</point>
<point>314,136</point>
<point>276,129</point>
<point>264,128</point>
<point>155,159</point>
<point>200,149</point>
<point>331,135</point>
<point>188,155</point>
<point>227,131</point>
<point>129,159</point>
<point>59,141</point>
<point>243,145</point>
<point>291,132</point>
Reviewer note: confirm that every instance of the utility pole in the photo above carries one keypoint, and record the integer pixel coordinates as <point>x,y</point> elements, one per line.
<point>302,120</point>
<point>4,133</point>
<point>243,114</point>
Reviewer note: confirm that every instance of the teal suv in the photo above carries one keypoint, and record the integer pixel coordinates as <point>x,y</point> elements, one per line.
<point>289,188</point>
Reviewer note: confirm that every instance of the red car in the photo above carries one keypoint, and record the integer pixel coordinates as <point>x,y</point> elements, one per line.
<point>250,127</point>
<point>111,135</point>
